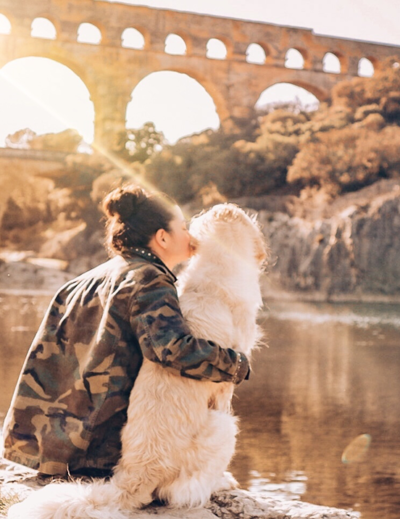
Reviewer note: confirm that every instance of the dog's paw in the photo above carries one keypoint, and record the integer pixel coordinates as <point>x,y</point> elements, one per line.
<point>227,482</point>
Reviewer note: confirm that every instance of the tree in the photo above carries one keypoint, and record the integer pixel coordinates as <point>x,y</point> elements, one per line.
<point>141,144</point>
<point>382,89</point>
<point>347,159</point>
<point>234,165</point>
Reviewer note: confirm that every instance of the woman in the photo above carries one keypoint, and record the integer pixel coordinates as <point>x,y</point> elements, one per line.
<point>71,399</point>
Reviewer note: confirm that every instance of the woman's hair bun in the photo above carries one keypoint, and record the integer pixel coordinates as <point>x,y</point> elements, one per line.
<point>133,216</point>
<point>124,201</point>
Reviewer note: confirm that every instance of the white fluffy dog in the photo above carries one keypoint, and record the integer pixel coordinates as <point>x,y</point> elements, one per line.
<point>180,433</point>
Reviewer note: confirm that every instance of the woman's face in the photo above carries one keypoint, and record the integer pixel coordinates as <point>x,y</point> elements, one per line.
<point>179,243</point>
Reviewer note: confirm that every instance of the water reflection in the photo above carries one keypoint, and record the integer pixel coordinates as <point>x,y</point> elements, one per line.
<point>324,380</point>
<point>329,375</point>
<point>292,487</point>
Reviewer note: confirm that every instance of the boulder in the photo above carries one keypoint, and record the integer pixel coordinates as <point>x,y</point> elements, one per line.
<point>23,272</point>
<point>17,481</point>
<point>350,254</point>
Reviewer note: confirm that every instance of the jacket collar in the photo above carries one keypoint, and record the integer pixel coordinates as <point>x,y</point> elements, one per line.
<point>146,254</point>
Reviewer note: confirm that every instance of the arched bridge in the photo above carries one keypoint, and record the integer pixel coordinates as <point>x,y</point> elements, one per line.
<point>111,71</point>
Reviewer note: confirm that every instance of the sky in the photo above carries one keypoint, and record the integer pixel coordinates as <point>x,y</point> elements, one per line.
<point>370,20</point>
<point>47,97</point>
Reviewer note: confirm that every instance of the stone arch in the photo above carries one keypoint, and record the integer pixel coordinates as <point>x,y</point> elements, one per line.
<point>77,67</point>
<point>289,95</point>
<point>256,54</point>
<point>295,58</point>
<point>134,39</point>
<point>82,86</point>
<point>217,98</point>
<point>214,90</point>
<point>218,48</point>
<point>93,35</point>
<point>5,24</point>
<point>318,92</point>
<point>41,23</point>
<point>176,45</point>
<point>366,67</point>
<point>331,63</point>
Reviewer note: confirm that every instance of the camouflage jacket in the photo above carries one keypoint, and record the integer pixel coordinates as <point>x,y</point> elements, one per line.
<point>71,399</point>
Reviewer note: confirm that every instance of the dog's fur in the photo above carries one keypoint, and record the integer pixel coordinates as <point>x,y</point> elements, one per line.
<point>180,433</point>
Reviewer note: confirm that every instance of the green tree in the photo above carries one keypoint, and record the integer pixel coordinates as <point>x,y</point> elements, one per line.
<point>235,166</point>
<point>141,144</point>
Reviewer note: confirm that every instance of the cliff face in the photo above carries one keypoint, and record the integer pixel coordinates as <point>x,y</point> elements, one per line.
<point>346,250</point>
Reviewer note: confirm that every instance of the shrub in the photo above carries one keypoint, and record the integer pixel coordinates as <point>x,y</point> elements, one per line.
<point>347,159</point>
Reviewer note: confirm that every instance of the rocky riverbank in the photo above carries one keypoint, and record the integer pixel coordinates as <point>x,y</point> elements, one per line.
<point>16,482</point>
<point>347,249</point>
<point>24,272</point>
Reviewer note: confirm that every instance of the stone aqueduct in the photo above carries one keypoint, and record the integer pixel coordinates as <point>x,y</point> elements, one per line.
<point>111,71</point>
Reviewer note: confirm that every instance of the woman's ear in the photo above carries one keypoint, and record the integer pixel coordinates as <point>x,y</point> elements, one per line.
<point>161,238</point>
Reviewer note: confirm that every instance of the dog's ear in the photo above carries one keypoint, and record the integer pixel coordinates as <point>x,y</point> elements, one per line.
<point>226,212</point>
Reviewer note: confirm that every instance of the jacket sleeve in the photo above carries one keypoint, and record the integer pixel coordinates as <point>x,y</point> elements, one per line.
<point>165,338</point>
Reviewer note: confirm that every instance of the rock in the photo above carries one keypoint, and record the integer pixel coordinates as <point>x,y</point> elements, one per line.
<point>24,273</point>
<point>351,254</point>
<point>21,193</point>
<point>241,504</point>
<point>18,481</point>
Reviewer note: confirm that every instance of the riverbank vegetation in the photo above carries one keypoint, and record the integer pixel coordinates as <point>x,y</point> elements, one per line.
<point>345,145</point>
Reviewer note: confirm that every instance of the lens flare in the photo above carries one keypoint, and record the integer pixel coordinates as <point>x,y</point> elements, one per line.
<point>356,449</point>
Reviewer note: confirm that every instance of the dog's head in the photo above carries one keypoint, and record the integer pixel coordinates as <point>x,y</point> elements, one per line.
<point>228,229</point>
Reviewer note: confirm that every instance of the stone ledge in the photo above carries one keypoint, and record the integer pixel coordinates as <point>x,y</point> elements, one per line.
<point>241,504</point>
<point>16,480</point>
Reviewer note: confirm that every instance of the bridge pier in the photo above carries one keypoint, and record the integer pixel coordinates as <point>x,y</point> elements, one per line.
<point>110,119</point>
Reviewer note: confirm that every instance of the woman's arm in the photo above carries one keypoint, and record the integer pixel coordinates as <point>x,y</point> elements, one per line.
<point>164,337</point>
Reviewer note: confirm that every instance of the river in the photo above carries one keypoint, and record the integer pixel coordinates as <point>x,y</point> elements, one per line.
<point>328,379</point>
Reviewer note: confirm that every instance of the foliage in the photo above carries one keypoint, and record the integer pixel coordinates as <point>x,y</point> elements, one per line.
<point>235,166</point>
<point>382,89</point>
<point>356,140</point>
<point>348,159</point>
<point>67,141</point>
<point>139,145</point>
<point>342,146</point>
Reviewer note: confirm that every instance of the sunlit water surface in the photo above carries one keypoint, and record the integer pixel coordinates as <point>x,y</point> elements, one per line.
<point>320,416</point>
